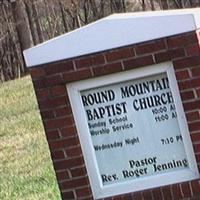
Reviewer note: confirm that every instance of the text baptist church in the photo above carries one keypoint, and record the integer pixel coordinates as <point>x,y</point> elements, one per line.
<point>128,91</point>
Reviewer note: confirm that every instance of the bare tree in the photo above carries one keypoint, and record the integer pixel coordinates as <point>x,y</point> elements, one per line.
<point>22,24</point>
<point>164,4</point>
<point>152,5</point>
<point>27,22</point>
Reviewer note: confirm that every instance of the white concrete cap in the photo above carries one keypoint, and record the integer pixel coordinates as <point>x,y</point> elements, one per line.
<point>114,31</point>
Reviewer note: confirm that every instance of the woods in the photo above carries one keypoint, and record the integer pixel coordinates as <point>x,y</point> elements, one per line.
<point>25,23</point>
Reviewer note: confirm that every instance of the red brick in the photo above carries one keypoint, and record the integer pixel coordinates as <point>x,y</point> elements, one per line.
<point>189,84</point>
<point>69,163</point>
<point>196,148</point>
<point>193,50</point>
<point>83,62</point>
<point>137,196</point>
<point>58,123</point>
<point>167,193</point>
<point>42,94</point>
<point>57,155</point>
<point>115,198</point>
<point>77,75</point>
<point>64,143</point>
<point>187,95</point>
<point>169,55</point>
<point>52,135</point>
<point>194,126</point>
<point>73,152</point>
<point>87,198</point>
<point>68,131</point>
<point>197,158</point>
<point>195,187</point>
<point>74,183</point>
<point>64,111</point>
<point>52,103</point>
<point>37,72</point>
<point>127,197</point>
<point>138,62</point>
<point>120,54</point>
<point>107,69</point>
<point>68,195</point>
<point>182,75</point>
<point>198,92</point>
<point>147,195</point>
<point>198,166</point>
<point>89,61</point>
<point>48,114</point>
<point>109,198</point>
<point>188,106</point>
<point>195,71</point>
<point>182,40</point>
<point>186,62</point>
<point>60,90</point>
<point>62,175</point>
<point>149,47</point>
<point>77,172</point>
<point>176,191</point>
<point>195,137</point>
<point>157,194</point>
<point>53,80</point>
<point>192,116</point>
<point>186,189</point>
<point>82,192</point>
<point>39,84</point>
<point>59,67</point>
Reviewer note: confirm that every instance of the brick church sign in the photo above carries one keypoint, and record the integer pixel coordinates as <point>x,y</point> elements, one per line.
<point>120,100</point>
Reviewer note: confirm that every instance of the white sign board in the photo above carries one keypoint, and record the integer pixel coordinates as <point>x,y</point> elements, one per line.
<point>132,128</point>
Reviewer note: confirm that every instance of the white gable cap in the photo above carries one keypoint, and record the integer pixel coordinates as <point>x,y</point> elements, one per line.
<point>114,31</point>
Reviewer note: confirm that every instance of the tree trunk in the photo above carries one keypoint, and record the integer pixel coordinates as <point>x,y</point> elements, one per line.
<point>152,5</point>
<point>22,24</point>
<point>37,22</point>
<point>85,12</point>
<point>48,18</point>
<point>29,10</point>
<point>143,5</point>
<point>78,21</point>
<point>64,20</point>
<point>94,8</point>
<point>164,4</point>
<point>124,5</point>
<point>102,5</point>
<point>12,39</point>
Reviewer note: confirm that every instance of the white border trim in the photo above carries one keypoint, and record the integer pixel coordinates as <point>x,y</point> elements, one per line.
<point>100,191</point>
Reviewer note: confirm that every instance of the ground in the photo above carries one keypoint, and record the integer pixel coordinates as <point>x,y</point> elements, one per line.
<point>26,171</point>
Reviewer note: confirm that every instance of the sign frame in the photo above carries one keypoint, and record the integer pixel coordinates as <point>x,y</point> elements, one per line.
<point>98,189</point>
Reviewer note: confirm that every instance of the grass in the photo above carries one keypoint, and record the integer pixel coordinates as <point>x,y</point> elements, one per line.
<point>26,171</point>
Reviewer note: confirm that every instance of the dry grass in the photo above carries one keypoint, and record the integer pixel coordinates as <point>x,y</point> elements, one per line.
<point>26,171</point>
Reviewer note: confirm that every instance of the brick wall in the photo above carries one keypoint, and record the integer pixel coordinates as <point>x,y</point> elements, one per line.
<point>50,86</point>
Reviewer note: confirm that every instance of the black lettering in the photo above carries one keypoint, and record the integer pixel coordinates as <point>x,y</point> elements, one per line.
<point>136,107</point>
<point>89,115</point>
<point>90,99</point>
<point>157,100</point>
<point>98,97</point>
<point>84,99</point>
<point>111,95</point>
<point>124,92</point>
<point>101,112</point>
<point>170,97</point>
<point>163,100</point>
